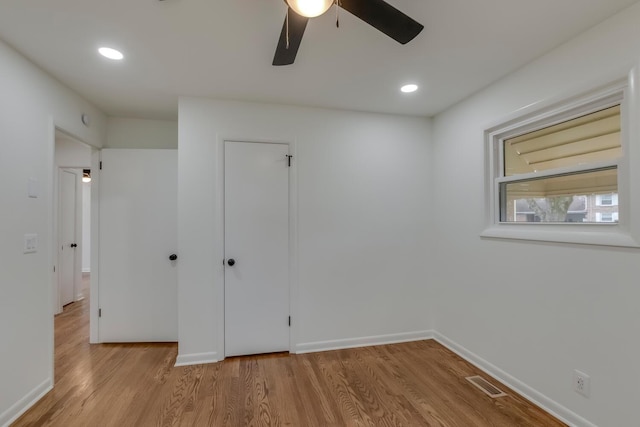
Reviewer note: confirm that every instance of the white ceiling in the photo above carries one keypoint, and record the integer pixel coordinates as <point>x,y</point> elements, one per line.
<point>224,48</point>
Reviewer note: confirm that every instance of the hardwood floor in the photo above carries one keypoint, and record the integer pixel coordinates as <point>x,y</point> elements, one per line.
<point>412,384</point>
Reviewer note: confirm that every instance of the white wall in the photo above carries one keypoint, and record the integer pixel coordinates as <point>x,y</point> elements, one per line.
<point>141,133</point>
<point>30,106</point>
<point>72,154</point>
<point>538,311</point>
<point>362,220</point>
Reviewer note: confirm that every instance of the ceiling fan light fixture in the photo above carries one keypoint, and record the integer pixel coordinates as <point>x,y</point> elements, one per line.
<point>310,8</point>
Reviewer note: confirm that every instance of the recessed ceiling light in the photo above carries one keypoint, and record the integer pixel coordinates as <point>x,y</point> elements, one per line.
<point>409,88</point>
<point>110,53</point>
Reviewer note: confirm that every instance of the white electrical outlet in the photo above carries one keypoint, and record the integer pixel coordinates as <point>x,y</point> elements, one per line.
<point>581,383</point>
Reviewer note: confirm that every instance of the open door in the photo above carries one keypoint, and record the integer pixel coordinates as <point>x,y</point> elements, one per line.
<point>138,236</point>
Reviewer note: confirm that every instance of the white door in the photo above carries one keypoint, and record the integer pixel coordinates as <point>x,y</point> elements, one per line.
<point>138,233</point>
<point>256,221</point>
<point>67,242</point>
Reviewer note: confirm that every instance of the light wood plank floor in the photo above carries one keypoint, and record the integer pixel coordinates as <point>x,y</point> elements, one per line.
<point>412,384</point>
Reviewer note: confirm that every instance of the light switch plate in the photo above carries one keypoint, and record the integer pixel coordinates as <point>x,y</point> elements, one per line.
<point>30,243</point>
<point>33,188</point>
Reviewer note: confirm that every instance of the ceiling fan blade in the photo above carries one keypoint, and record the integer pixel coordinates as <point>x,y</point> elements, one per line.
<point>285,55</point>
<point>386,18</point>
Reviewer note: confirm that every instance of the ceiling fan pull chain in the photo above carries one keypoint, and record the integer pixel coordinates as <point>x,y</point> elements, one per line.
<point>337,13</point>
<point>287,19</point>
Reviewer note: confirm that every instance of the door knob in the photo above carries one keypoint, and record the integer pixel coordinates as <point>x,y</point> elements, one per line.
<point>173,257</point>
<point>231,262</point>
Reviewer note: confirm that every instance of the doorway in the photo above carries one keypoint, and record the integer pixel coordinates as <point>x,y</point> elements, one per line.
<point>257,248</point>
<point>71,230</point>
<point>68,206</point>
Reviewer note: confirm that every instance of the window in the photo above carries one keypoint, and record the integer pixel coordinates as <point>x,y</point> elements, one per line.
<point>562,170</point>
<point>604,200</point>
<point>607,200</point>
<point>606,217</point>
<point>550,173</point>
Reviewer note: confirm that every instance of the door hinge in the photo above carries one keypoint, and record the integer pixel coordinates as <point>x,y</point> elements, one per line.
<point>289,320</point>
<point>100,164</point>
<point>99,312</point>
<point>289,159</point>
<point>54,268</point>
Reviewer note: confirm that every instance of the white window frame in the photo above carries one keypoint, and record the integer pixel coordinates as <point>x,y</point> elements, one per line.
<point>626,232</point>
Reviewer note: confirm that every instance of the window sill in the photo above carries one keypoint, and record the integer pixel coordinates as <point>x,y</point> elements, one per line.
<point>600,234</point>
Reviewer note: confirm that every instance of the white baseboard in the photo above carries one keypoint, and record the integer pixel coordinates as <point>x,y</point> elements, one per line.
<point>362,342</point>
<point>86,270</point>
<point>196,359</point>
<point>21,406</point>
<point>539,399</point>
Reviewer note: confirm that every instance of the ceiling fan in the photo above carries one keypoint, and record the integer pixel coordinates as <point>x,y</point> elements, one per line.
<point>377,13</point>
